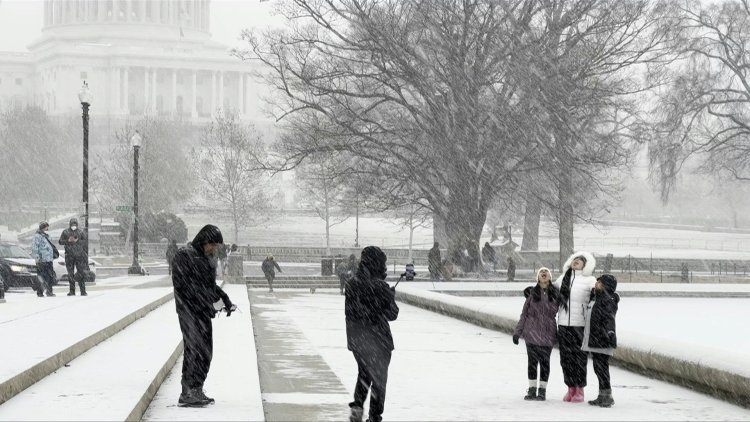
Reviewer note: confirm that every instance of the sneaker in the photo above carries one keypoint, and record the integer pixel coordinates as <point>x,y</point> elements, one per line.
<point>71,293</point>
<point>541,394</point>
<point>531,394</point>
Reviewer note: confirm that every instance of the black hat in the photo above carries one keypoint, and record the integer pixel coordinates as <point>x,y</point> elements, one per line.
<point>609,281</point>
<point>43,225</point>
<point>73,221</point>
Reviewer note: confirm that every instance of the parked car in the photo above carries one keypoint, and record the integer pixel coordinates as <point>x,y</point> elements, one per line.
<point>17,267</point>
<point>61,273</point>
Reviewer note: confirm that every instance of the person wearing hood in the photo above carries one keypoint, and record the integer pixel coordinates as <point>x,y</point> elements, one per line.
<point>43,252</point>
<point>369,306</point>
<point>538,328</point>
<point>171,252</point>
<point>195,292</point>
<point>600,334</point>
<point>76,256</point>
<point>574,284</point>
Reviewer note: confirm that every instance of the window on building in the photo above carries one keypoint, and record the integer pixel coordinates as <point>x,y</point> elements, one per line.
<point>84,75</point>
<point>19,81</point>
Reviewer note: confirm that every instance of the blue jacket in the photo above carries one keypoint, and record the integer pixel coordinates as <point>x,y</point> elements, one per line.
<point>41,248</point>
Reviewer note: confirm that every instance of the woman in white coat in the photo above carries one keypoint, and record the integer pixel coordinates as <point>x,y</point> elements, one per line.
<point>575,286</point>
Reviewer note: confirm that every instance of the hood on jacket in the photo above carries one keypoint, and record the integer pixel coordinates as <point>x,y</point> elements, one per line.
<point>372,262</point>
<point>208,234</point>
<point>609,281</point>
<point>588,268</point>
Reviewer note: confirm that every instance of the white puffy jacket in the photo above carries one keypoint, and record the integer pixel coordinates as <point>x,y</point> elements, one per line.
<point>581,283</point>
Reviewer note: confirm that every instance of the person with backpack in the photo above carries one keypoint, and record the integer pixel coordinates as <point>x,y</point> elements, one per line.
<point>44,253</point>
<point>538,328</point>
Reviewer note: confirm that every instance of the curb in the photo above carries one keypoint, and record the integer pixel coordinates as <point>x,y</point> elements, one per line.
<point>18,383</point>
<point>718,383</point>
<point>635,293</point>
<point>142,406</point>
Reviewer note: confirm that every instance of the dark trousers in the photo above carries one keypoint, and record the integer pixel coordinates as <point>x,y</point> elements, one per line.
<point>81,266</point>
<point>538,355</point>
<point>572,359</point>
<point>601,368</point>
<point>373,376</point>
<point>198,349</point>
<point>45,273</point>
<point>269,279</point>
<point>342,282</point>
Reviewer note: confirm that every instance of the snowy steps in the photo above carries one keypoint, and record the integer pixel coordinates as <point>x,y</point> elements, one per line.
<point>133,370</point>
<point>113,381</point>
<point>47,333</point>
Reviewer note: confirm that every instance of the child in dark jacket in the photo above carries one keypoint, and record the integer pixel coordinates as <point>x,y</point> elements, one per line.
<point>600,335</point>
<point>538,328</point>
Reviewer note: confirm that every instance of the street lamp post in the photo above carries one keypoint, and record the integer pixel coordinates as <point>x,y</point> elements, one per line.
<point>85,98</point>
<point>136,267</point>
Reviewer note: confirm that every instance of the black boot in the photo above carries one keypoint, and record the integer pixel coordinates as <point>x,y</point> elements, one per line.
<point>541,394</point>
<point>356,414</point>
<point>605,398</point>
<point>192,398</point>
<point>531,395</point>
<point>202,395</point>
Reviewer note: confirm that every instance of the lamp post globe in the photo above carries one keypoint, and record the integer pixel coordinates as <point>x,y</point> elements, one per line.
<point>135,268</point>
<point>84,96</point>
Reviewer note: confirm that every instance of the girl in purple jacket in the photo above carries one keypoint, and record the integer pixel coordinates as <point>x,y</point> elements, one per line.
<point>537,326</point>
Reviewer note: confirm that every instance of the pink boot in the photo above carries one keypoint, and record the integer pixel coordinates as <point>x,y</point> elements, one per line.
<point>569,394</point>
<point>577,395</point>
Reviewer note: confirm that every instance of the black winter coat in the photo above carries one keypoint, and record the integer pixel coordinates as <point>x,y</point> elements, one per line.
<point>370,303</point>
<point>603,332</point>
<point>74,249</point>
<point>194,281</point>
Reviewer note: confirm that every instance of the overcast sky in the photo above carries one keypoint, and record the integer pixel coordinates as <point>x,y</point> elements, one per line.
<point>21,21</point>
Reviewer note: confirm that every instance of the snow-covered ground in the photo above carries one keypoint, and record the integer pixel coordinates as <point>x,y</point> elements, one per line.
<point>446,369</point>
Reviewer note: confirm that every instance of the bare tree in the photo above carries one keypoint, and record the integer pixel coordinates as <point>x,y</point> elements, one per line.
<point>703,112</point>
<point>225,165</point>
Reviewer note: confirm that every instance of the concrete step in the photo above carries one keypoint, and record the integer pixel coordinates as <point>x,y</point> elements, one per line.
<point>48,333</point>
<point>115,380</point>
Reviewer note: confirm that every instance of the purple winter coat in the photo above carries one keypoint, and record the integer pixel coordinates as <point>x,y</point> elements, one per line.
<point>537,324</point>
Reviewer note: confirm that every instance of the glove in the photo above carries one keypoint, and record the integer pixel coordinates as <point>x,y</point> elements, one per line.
<point>230,307</point>
<point>393,289</point>
<point>515,339</point>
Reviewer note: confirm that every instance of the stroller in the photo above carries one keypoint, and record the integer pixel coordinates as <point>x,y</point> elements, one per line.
<point>409,274</point>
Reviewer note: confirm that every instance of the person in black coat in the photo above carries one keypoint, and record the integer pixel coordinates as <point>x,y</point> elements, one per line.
<point>76,256</point>
<point>268,265</point>
<point>369,306</point>
<point>195,292</point>
<point>171,252</point>
<point>600,334</point>
<point>434,262</point>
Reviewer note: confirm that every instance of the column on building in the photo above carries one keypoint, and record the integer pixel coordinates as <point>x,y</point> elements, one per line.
<point>146,96</point>
<point>221,92</point>
<point>116,90</point>
<point>154,87</point>
<point>128,10</point>
<point>194,101</point>
<point>156,11</point>
<point>248,94</point>
<point>101,8</point>
<point>174,92</point>
<point>125,91</point>
<point>142,10</point>
<point>213,93</point>
<point>241,93</point>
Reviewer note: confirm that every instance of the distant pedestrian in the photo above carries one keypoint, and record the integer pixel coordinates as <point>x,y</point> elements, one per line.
<point>489,256</point>
<point>538,328</point>
<point>195,292</point>
<point>369,306</point>
<point>44,253</point>
<point>76,256</point>
<point>268,266</point>
<point>344,272</point>
<point>600,334</point>
<point>409,272</point>
<point>511,269</point>
<point>434,262</point>
<point>575,286</point>
<point>171,252</point>
<point>234,249</point>
<point>222,255</point>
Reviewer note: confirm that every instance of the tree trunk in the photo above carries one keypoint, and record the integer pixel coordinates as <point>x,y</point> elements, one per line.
<point>463,227</point>
<point>531,219</point>
<point>439,233</point>
<point>566,218</point>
